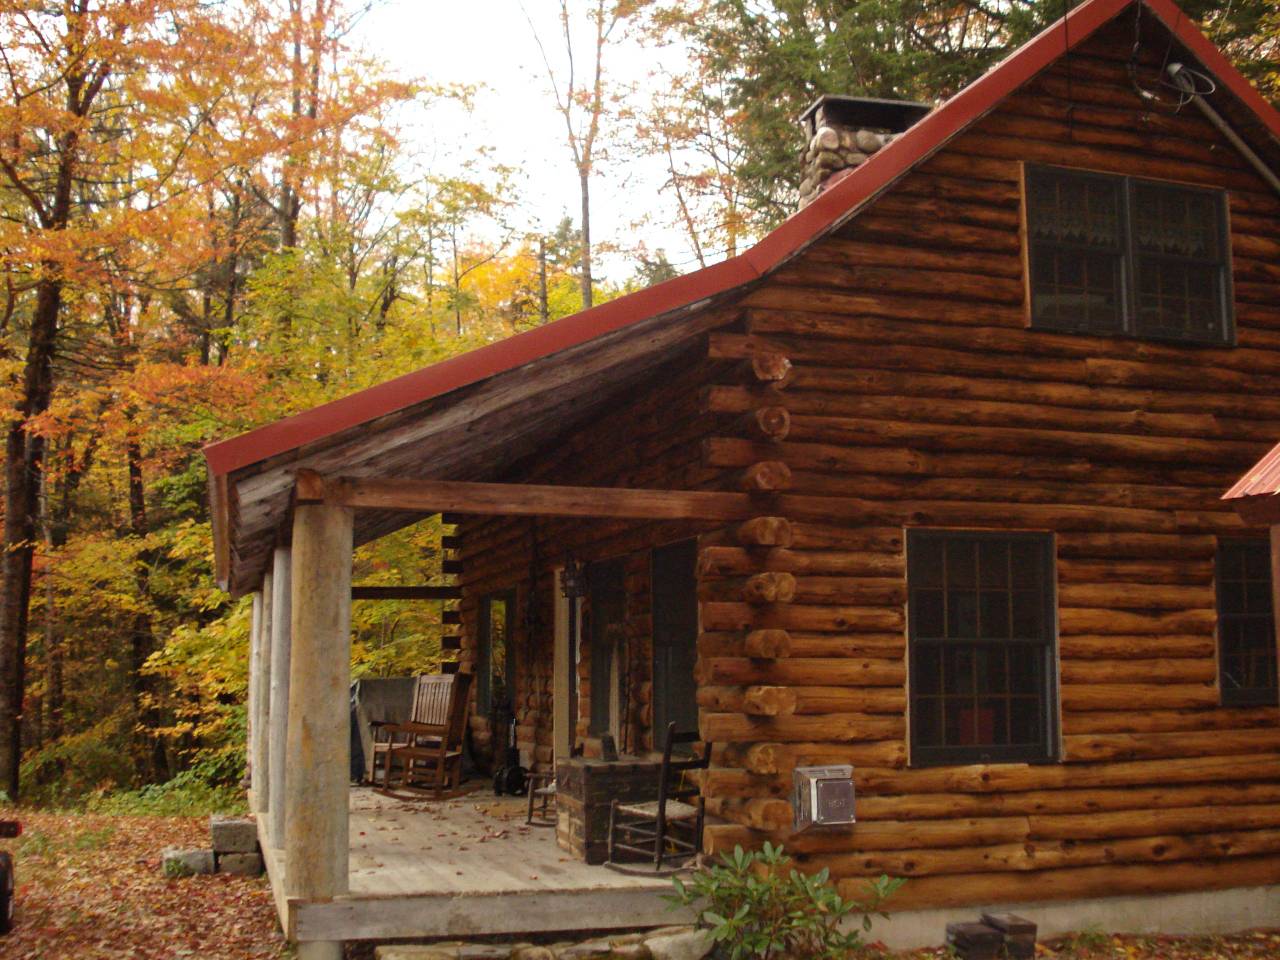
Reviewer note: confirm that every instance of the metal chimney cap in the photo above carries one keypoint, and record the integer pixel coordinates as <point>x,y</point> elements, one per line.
<point>859,112</point>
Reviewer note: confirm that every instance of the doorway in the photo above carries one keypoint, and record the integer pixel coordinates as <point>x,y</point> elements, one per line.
<point>675,638</point>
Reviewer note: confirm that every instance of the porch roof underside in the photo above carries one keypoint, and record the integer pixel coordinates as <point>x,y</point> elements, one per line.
<point>472,433</point>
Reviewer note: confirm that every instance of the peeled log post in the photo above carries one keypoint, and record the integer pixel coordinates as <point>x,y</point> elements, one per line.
<point>769,588</point>
<point>261,684</point>
<point>278,713</point>
<point>255,733</point>
<point>767,644</point>
<point>764,701</point>
<point>316,823</point>
<point>765,532</point>
<point>765,477</point>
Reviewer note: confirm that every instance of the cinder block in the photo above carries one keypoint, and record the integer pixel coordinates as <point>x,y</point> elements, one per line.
<point>240,864</point>
<point>233,834</point>
<point>176,862</point>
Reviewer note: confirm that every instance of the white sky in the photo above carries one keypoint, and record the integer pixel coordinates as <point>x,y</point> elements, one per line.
<point>489,43</point>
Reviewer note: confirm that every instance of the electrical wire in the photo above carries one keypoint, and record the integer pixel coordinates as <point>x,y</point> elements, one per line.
<point>1200,84</point>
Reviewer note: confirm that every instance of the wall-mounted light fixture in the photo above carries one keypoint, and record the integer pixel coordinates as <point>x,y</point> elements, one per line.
<point>573,579</point>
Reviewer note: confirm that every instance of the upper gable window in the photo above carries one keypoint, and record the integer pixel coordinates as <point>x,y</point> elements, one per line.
<point>1127,257</point>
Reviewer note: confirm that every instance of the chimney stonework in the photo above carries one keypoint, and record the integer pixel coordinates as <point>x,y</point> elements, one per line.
<point>845,131</point>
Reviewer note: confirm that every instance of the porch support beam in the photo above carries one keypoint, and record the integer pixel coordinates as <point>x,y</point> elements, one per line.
<point>255,727</point>
<point>373,592</point>
<point>278,708</point>
<point>260,681</point>
<point>317,767</point>
<point>523,499</point>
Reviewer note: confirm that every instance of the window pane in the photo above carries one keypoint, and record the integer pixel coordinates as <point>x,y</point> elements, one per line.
<point>1178,299</point>
<point>993,669</point>
<point>1025,721</point>
<point>928,672</point>
<point>962,614</point>
<point>1099,243</point>
<point>928,617</point>
<point>961,568</point>
<point>1170,220</point>
<point>993,607</point>
<point>972,688</point>
<point>1076,290</point>
<point>993,563</point>
<point>1246,624</point>
<point>1027,614</point>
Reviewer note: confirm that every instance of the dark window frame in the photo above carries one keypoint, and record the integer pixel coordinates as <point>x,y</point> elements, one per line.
<point>1047,749</point>
<point>1130,256</point>
<point>1231,696</point>
<point>484,653</point>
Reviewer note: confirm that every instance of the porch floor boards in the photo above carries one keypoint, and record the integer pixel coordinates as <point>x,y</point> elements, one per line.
<point>466,866</point>
<point>476,843</point>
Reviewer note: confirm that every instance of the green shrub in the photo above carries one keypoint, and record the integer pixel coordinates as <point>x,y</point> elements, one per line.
<point>192,793</point>
<point>756,906</point>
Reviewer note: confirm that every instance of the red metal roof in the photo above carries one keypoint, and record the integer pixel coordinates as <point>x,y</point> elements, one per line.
<point>828,210</point>
<point>1254,491</point>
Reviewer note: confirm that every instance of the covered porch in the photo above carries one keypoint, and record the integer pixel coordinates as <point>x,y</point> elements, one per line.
<point>356,865</point>
<point>590,452</point>
<point>463,866</point>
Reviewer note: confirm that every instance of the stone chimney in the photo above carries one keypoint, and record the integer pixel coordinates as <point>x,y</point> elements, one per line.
<point>844,131</point>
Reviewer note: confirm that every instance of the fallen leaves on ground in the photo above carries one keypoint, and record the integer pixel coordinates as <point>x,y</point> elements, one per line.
<point>90,887</point>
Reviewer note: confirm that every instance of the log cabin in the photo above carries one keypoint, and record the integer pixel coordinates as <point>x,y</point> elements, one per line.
<point>928,482</point>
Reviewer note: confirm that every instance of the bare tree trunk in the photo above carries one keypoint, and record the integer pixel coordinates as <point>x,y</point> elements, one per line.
<point>24,458</point>
<point>584,183</point>
<point>544,309</point>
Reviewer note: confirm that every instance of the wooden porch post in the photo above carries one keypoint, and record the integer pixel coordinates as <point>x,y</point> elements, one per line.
<point>278,708</point>
<point>254,728</point>
<point>317,767</point>
<point>562,719</point>
<point>260,683</point>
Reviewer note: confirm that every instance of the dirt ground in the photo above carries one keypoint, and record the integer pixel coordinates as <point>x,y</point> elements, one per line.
<point>90,888</point>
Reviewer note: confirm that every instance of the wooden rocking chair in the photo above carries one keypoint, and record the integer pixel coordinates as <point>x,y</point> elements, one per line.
<point>430,705</point>
<point>669,828</point>
<point>431,754</point>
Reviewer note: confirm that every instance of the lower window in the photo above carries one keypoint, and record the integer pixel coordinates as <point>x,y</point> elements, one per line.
<point>981,632</point>
<point>1246,624</point>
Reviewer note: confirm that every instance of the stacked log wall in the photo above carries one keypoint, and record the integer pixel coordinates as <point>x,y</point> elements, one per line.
<point>919,396</point>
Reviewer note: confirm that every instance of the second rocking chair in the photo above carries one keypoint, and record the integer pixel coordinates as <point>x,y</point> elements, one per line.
<point>666,831</point>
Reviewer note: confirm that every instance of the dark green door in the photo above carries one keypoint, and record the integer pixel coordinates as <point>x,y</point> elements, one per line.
<point>675,638</point>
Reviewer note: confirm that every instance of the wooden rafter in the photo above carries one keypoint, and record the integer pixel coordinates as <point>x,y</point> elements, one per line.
<point>524,499</point>
<point>374,592</point>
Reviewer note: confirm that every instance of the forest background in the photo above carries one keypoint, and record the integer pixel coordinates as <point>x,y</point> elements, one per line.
<point>212,216</point>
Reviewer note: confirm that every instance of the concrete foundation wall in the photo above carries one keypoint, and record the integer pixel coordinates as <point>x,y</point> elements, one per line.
<point>1210,912</point>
